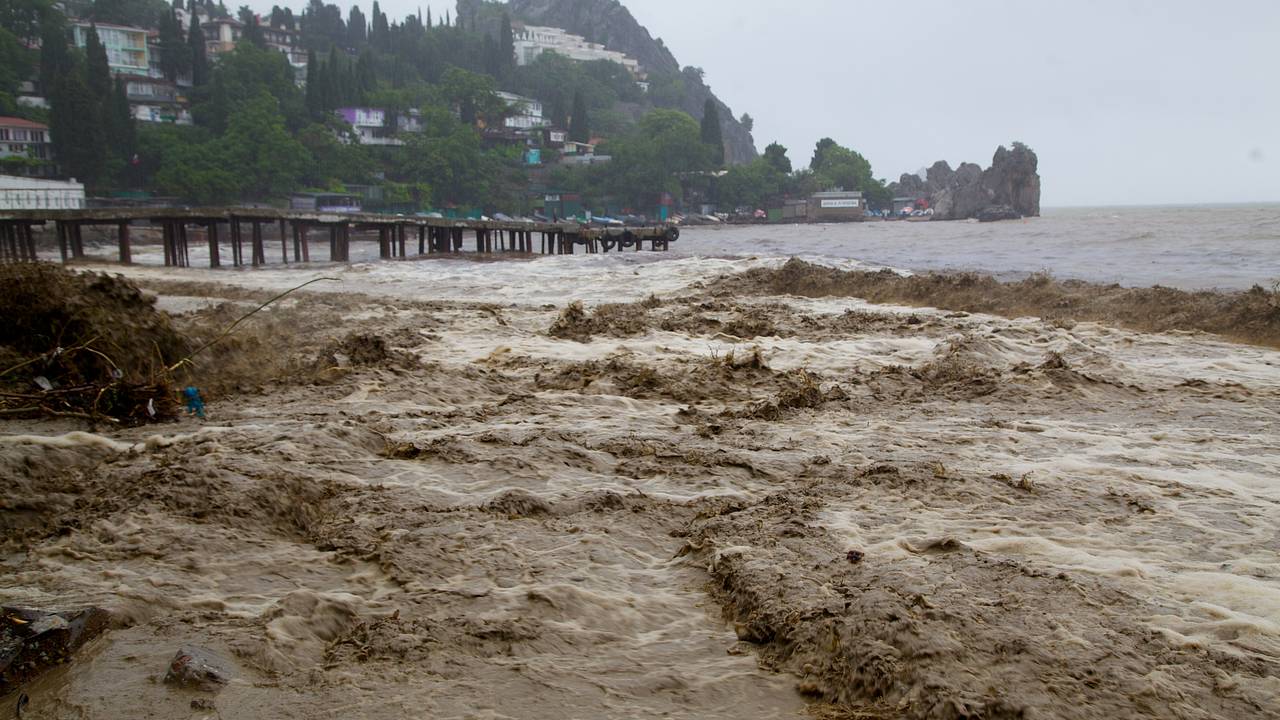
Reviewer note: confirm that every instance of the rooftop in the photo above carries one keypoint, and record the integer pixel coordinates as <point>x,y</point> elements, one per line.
<point>87,23</point>
<point>13,122</point>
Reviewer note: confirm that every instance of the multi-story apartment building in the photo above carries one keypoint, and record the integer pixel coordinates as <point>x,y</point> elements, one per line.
<point>126,47</point>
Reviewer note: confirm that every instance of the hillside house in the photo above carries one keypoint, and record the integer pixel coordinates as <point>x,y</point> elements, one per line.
<point>26,139</point>
<point>375,126</point>
<point>526,113</point>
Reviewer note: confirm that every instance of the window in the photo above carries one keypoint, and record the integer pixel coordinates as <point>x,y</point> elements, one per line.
<point>37,136</point>
<point>19,134</point>
<point>4,133</point>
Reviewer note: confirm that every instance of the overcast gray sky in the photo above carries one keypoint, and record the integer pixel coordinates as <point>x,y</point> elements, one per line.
<point>1125,101</point>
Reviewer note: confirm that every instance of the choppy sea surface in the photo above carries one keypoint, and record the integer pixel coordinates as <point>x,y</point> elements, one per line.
<point>1191,247</point>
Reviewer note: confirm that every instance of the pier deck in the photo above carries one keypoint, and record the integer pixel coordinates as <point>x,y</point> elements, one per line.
<point>396,234</point>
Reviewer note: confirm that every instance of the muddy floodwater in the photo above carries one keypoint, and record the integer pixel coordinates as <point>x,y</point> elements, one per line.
<point>628,486</point>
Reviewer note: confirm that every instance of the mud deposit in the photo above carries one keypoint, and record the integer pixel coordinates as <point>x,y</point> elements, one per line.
<point>663,502</point>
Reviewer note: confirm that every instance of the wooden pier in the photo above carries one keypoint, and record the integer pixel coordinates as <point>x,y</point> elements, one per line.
<point>397,235</point>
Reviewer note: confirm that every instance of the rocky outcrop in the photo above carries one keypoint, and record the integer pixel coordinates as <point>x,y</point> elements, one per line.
<point>1009,189</point>
<point>609,23</point>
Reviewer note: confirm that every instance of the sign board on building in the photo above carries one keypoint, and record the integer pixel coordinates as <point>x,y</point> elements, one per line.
<point>852,203</point>
<point>553,198</point>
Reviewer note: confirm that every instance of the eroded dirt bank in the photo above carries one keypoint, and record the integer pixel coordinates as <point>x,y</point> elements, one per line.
<point>702,504</point>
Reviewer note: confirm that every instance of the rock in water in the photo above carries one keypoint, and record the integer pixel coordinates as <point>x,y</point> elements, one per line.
<point>1011,182</point>
<point>32,641</point>
<point>198,668</point>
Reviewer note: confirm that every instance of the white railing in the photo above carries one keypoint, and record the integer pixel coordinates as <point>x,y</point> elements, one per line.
<point>40,199</point>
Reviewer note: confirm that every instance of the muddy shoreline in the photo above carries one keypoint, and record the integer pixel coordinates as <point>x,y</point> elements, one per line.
<point>749,498</point>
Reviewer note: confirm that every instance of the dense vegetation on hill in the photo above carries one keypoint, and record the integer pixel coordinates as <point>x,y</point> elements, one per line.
<point>257,135</point>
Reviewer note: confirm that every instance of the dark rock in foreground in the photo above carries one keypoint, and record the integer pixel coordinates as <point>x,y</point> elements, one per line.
<point>33,641</point>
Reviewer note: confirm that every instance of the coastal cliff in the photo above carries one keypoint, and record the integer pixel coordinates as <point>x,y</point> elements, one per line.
<point>609,23</point>
<point>1010,188</point>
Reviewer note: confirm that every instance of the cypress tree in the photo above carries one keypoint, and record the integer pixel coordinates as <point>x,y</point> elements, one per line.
<point>712,134</point>
<point>76,128</point>
<point>174,57</point>
<point>252,29</point>
<point>378,30</point>
<point>366,79</point>
<point>357,28</point>
<point>332,90</point>
<point>55,59</point>
<point>122,136</point>
<point>507,42</point>
<point>579,128</point>
<point>199,53</point>
<point>429,22</point>
<point>314,84</point>
<point>489,53</point>
<point>99,69</point>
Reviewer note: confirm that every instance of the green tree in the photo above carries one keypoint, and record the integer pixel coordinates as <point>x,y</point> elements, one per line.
<point>99,70</point>
<point>820,152</point>
<point>579,123</point>
<point>55,57</point>
<point>175,56</point>
<point>268,160</point>
<point>15,67</point>
<point>747,122</point>
<point>252,31</point>
<point>199,53</point>
<point>76,129</point>
<point>776,155</point>
<point>507,44</point>
<point>357,28</point>
<point>449,158</point>
<point>314,100</point>
<point>379,28</point>
<point>711,132</point>
<point>473,94</point>
<point>121,134</point>
<point>243,74</point>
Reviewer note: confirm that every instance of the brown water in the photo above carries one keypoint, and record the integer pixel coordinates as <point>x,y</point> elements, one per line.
<point>499,522</point>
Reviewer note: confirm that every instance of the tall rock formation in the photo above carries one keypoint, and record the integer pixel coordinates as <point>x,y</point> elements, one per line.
<point>609,23</point>
<point>1009,188</point>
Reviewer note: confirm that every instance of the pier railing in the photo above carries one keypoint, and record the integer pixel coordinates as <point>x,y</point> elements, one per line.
<point>397,235</point>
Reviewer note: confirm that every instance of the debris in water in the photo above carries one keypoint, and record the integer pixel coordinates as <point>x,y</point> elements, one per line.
<point>32,641</point>
<point>199,668</point>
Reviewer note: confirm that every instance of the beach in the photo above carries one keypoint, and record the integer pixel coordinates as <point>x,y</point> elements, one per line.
<point>676,485</point>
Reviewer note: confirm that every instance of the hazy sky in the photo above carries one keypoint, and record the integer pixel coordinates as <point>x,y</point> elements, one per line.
<point>1125,101</point>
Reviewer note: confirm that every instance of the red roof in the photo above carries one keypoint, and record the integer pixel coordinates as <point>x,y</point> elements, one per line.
<point>20,123</point>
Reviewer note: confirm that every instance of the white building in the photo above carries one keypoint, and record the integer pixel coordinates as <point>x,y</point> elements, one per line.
<point>526,113</point>
<point>531,41</point>
<point>370,125</point>
<point>24,193</point>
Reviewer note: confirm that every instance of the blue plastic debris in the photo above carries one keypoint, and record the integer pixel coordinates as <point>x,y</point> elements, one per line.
<point>195,403</point>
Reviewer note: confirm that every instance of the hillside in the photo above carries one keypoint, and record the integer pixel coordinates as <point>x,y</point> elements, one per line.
<point>610,23</point>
